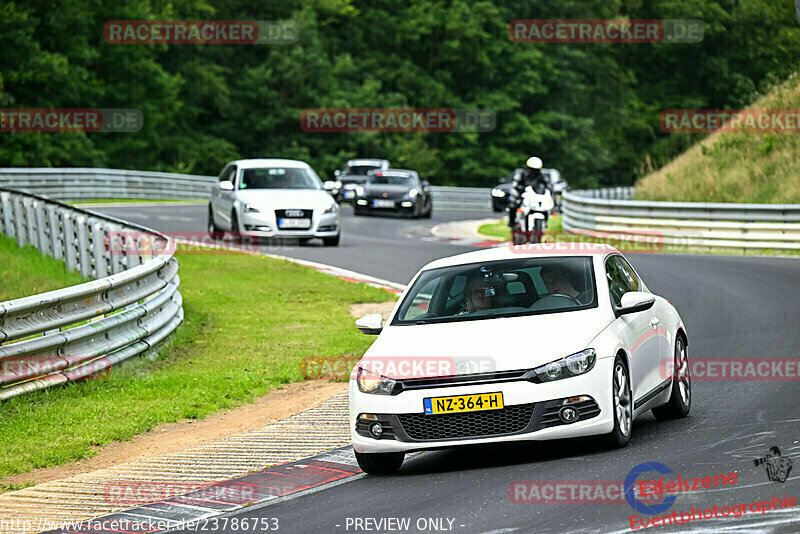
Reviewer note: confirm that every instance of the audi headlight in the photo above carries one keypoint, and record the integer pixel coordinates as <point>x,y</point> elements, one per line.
<point>333,208</point>
<point>360,191</point>
<point>573,365</point>
<point>369,382</point>
<point>498,193</point>
<point>249,208</point>
<point>413,193</point>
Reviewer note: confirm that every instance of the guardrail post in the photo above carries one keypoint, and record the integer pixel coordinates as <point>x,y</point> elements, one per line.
<point>101,263</point>
<point>8,221</point>
<point>84,252</point>
<point>69,240</point>
<point>56,232</point>
<point>30,221</point>
<point>19,221</point>
<point>42,229</point>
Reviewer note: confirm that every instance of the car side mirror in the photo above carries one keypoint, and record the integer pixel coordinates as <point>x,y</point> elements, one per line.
<point>426,184</point>
<point>329,185</point>
<point>634,302</point>
<point>370,324</point>
<point>226,185</point>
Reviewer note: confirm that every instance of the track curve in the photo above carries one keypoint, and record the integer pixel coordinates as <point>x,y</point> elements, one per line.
<point>732,307</point>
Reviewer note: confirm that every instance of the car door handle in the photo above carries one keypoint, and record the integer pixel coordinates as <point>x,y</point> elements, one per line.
<point>654,322</point>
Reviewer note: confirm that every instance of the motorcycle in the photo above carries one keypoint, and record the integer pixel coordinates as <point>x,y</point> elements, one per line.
<point>532,215</point>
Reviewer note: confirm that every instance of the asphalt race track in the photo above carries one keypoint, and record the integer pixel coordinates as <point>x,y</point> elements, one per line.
<point>732,307</point>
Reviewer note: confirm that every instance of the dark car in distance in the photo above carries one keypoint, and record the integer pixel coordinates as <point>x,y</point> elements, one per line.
<point>396,191</point>
<point>352,175</point>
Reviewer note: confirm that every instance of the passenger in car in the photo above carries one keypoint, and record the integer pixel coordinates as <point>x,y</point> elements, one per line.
<point>557,280</point>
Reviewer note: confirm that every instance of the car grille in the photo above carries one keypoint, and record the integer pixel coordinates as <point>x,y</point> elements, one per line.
<point>586,410</point>
<point>293,214</point>
<point>509,420</point>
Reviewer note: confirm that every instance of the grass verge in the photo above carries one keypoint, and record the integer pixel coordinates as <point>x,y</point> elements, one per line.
<point>501,229</point>
<point>250,323</point>
<point>24,271</point>
<point>735,167</point>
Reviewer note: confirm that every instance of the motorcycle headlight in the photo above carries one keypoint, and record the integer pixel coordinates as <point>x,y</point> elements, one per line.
<point>498,193</point>
<point>573,365</point>
<point>249,208</point>
<point>333,208</point>
<point>360,191</point>
<point>369,382</point>
<point>413,193</point>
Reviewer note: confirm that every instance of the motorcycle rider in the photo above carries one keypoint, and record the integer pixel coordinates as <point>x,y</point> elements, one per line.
<point>532,176</point>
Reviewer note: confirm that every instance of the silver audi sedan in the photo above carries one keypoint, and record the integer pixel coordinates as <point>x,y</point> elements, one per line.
<point>281,198</point>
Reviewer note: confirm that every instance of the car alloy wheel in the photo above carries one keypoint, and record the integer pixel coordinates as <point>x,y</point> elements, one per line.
<point>622,399</point>
<point>680,401</point>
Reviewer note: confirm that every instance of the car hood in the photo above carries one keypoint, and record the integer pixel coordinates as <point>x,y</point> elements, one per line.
<point>392,189</point>
<point>286,198</point>
<point>503,344</point>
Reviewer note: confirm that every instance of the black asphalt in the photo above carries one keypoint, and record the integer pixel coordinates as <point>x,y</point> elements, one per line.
<point>732,307</point>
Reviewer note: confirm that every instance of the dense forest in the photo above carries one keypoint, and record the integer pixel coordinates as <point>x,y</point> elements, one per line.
<point>590,110</point>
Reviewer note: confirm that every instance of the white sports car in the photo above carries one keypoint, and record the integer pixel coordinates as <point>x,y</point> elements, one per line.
<point>267,198</point>
<point>516,343</point>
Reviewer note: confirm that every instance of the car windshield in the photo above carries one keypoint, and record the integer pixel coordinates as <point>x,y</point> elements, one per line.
<point>506,288</point>
<point>279,178</point>
<point>359,170</point>
<point>389,178</point>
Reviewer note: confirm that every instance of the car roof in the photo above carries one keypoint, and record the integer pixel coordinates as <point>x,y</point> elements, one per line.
<point>258,163</point>
<point>394,172</point>
<point>365,161</point>
<point>508,252</point>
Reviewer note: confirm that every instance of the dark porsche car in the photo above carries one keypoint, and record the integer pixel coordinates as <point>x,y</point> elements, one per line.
<point>397,191</point>
<point>500,192</point>
<point>354,174</point>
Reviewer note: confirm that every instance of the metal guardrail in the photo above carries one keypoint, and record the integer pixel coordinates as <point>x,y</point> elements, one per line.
<point>683,224</point>
<point>81,184</point>
<point>72,333</point>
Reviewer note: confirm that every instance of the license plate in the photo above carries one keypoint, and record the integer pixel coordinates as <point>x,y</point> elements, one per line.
<point>463,403</point>
<point>349,194</point>
<point>383,203</point>
<point>294,223</point>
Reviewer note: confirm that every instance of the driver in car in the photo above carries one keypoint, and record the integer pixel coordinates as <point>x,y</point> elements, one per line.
<point>476,296</point>
<point>557,280</point>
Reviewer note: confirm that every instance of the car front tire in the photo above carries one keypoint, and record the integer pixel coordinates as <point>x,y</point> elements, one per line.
<point>212,227</point>
<point>680,400</point>
<point>622,405</point>
<point>331,241</point>
<point>386,463</point>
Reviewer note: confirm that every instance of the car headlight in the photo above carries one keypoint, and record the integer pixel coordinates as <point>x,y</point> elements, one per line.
<point>498,193</point>
<point>333,208</point>
<point>369,382</point>
<point>573,365</point>
<point>413,193</point>
<point>249,208</point>
<point>338,184</point>
<point>360,191</point>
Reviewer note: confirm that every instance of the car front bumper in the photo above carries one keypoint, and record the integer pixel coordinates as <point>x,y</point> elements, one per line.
<point>406,423</point>
<point>265,224</point>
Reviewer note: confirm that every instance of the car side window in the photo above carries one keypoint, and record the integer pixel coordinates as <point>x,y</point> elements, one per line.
<point>617,285</point>
<point>224,174</point>
<point>422,301</point>
<point>232,176</point>
<point>621,278</point>
<point>629,274</point>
